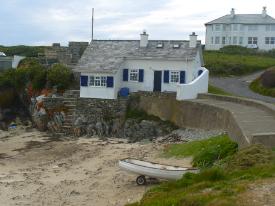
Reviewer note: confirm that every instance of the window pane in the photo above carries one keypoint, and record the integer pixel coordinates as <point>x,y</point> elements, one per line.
<point>92,81</point>
<point>241,40</point>
<point>235,40</point>
<point>134,75</point>
<point>272,41</point>
<point>223,40</point>
<point>267,40</point>
<point>174,77</point>
<point>217,40</point>
<point>103,81</point>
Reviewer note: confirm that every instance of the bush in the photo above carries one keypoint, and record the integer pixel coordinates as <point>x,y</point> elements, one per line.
<point>60,76</point>
<point>238,50</point>
<point>257,87</point>
<point>268,78</point>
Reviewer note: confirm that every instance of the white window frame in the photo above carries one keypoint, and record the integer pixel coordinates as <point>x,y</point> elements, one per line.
<point>174,77</point>
<point>133,75</point>
<point>270,40</point>
<point>235,40</point>
<point>252,40</point>
<point>217,40</point>
<point>235,27</point>
<point>242,27</point>
<point>212,40</point>
<point>98,81</point>
<point>223,40</point>
<point>217,27</point>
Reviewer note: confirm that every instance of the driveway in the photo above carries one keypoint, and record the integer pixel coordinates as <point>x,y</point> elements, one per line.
<point>239,86</point>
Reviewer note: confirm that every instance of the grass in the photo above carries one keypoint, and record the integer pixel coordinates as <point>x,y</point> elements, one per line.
<point>204,152</point>
<point>225,64</point>
<point>257,87</point>
<point>219,185</point>
<point>218,91</point>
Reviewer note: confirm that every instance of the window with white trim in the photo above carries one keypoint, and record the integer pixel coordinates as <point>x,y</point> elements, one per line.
<point>269,40</point>
<point>133,75</point>
<point>223,40</point>
<point>212,40</point>
<point>98,81</point>
<point>217,40</point>
<point>235,40</point>
<point>235,27</point>
<point>252,40</point>
<point>217,27</point>
<point>174,76</point>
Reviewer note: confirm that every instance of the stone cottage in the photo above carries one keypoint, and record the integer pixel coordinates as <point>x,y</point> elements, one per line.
<point>107,66</point>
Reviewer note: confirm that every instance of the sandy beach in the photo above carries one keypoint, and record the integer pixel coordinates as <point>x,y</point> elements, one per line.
<point>36,169</point>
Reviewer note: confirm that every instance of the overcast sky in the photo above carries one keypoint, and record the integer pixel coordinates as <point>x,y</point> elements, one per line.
<point>42,22</point>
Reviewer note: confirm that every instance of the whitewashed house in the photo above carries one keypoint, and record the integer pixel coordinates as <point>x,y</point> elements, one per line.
<point>142,65</point>
<point>247,30</point>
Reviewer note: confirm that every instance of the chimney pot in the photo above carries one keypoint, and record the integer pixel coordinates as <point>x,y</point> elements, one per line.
<point>264,12</point>
<point>232,13</point>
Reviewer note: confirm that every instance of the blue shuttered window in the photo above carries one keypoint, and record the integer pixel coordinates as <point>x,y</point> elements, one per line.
<point>182,77</point>
<point>166,76</point>
<point>141,75</point>
<point>110,82</point>
<point>200,72</point>
<point>84,81</point>
<point>125,75</point>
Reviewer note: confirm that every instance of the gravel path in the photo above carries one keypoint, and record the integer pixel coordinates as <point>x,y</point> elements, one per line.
<point>240,86</point>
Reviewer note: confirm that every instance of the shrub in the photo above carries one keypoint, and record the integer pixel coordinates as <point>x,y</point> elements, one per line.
<point>257,87</point>
<point>60,76</point>
<point>238,50</point>
<point>268,78</point>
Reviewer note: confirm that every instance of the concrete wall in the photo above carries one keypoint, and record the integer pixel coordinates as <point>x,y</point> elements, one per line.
<point>192,89</point>
<point>261,33</point>
<point>189,114</point>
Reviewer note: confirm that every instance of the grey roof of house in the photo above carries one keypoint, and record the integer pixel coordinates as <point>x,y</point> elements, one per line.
<point>243,19</point>
<point>107,56</point>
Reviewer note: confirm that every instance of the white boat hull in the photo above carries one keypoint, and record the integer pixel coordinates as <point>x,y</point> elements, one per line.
<point>154,170</point>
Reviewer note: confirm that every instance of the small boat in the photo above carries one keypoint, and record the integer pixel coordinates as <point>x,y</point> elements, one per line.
<point>153,170</point>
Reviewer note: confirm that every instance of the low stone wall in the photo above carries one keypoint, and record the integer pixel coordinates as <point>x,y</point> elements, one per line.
<point>189,114</point>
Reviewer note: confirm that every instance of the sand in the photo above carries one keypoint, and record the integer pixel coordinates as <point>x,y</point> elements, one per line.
<point>36,169</point>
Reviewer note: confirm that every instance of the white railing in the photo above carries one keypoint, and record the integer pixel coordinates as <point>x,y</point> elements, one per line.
<point>192,89</point>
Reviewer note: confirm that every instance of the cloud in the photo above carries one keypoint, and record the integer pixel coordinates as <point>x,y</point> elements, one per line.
<point>40,21</point>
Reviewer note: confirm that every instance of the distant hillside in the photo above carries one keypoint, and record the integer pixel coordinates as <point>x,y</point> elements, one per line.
<point>235,60</point>
<point>28,51</point>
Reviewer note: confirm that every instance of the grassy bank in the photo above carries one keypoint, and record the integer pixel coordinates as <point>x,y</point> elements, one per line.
<point>222,180</point>
<point>218,91</point>
<point>226,64</point>
<point>257,87</point>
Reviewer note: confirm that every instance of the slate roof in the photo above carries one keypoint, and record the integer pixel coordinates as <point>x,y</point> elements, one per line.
<point>243,19</point>
<point>106,56</point>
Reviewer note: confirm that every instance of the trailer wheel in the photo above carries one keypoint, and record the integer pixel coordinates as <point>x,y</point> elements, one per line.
<point>141,180</point>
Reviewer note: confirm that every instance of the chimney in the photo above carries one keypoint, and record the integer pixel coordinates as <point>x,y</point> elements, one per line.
<point>193,40</point>
<point>143,39</point>
<point>232,13</point>
<point>264,13</point>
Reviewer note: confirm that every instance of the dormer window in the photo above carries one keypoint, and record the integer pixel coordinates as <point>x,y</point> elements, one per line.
<point>176,46</point>
<point>160,45</point>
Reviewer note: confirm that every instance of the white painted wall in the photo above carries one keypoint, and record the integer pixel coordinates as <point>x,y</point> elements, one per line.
<point>261,33</point>
<point>149,67</point>
<point>197,86</point>
<point>100,92</point>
